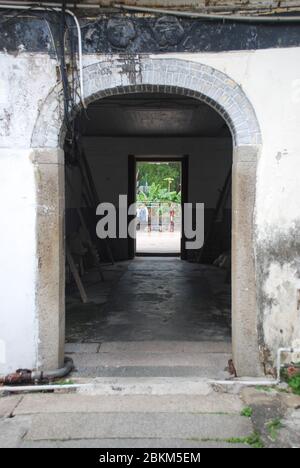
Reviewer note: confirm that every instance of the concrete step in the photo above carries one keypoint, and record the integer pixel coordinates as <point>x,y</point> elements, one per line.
<point>211,372</point>
<point>130,443</point>
<point>72,403</point>
<point>142,364</point>
<point>145,386</point>
<point>166,347</point>
<point>184,426</point>
<point>151,359</point>
<point>153,347</point>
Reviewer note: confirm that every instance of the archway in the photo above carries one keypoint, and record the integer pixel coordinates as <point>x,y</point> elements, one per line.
<point>136,75</point>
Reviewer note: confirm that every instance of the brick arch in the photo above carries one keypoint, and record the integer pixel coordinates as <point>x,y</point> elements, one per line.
<point>121,76</point>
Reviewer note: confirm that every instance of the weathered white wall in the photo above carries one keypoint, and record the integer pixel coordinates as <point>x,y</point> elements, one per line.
<point>18,327</point>
<point>271,80</point>
<point>25,81</point>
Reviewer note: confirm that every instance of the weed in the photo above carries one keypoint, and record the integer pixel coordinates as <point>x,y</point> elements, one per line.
<point>263,388</point>
<point>64,382</point>
<point>247,412</point>
<point>273,427</point>
<point>294,384</point>
<point>253,440</point>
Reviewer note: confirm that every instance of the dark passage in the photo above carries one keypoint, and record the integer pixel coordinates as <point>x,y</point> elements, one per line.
<point>148,316</point>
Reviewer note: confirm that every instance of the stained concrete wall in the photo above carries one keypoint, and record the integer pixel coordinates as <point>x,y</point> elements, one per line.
<point>271,81</point>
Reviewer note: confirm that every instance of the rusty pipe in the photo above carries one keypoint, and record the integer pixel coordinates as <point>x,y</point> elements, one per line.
<point>27,377</point>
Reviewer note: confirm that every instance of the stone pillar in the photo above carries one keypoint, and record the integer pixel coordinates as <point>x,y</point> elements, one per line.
<point>50,286</point>
<point>244,303</point>
<point>18,318</point>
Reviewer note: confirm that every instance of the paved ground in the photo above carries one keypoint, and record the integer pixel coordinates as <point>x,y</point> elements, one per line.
<point>97,420</point>
<point>114,416</point>
<point>151,337</point>
<point>158,242</point>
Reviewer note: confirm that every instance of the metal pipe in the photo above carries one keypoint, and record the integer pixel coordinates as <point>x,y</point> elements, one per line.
<point>247,383</point>
<point>260,382</point>
<point>18,6</point>
<point>55,374</point>
<point>288,6</point>
<point>212,17</point>
<point>24,376</point>
<point>52,4</point>
<point>42,388</point>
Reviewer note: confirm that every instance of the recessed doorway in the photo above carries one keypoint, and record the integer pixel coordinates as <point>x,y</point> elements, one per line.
<point>159,201</point>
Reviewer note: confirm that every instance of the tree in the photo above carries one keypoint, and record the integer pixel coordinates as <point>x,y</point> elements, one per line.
<point>150,172</point>
<point>153,176</point>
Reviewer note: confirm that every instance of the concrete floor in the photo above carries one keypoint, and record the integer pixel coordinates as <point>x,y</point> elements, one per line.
<point>161,299</point>
<point>152,317</point>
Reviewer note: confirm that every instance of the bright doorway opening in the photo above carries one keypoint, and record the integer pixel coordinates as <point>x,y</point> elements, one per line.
<point>159,207</point>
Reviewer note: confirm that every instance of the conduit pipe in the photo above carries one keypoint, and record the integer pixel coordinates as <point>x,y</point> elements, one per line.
<point>212,17</point>
<point>266,18</point>
<point>49,7</point>
<point>262,382</point>
<point>268,11</point>
<point>247,383</point>
<point>23,376</point>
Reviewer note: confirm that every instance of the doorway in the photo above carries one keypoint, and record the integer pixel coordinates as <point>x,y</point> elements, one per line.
<point>156,75</point>
<point>159,198</point>
<point>157,296</point>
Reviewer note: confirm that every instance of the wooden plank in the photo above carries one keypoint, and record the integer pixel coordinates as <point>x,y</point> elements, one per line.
<point>76,276</point>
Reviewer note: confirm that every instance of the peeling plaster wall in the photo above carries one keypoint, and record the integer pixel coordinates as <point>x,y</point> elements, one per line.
<point>25,81</point>
<point>270,79</point>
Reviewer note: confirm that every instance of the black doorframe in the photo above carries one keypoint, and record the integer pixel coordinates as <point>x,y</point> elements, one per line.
<point>132,160</point>
<point>184,199</point>
<point>131,200</point>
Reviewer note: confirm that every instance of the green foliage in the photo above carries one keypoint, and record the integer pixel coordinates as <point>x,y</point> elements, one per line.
<point>294,381</point>
<point>254,440</point>
<point>294,384</point>
<point>247,412</point>
<point>163,181</point>
<point>263,388</point>
<point>158,194</point>
<point>273,427</point>
<point>160,174</point>
<point>64,382</point>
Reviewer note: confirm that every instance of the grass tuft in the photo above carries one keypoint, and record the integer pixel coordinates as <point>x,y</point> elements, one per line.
<point>247,412</point>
